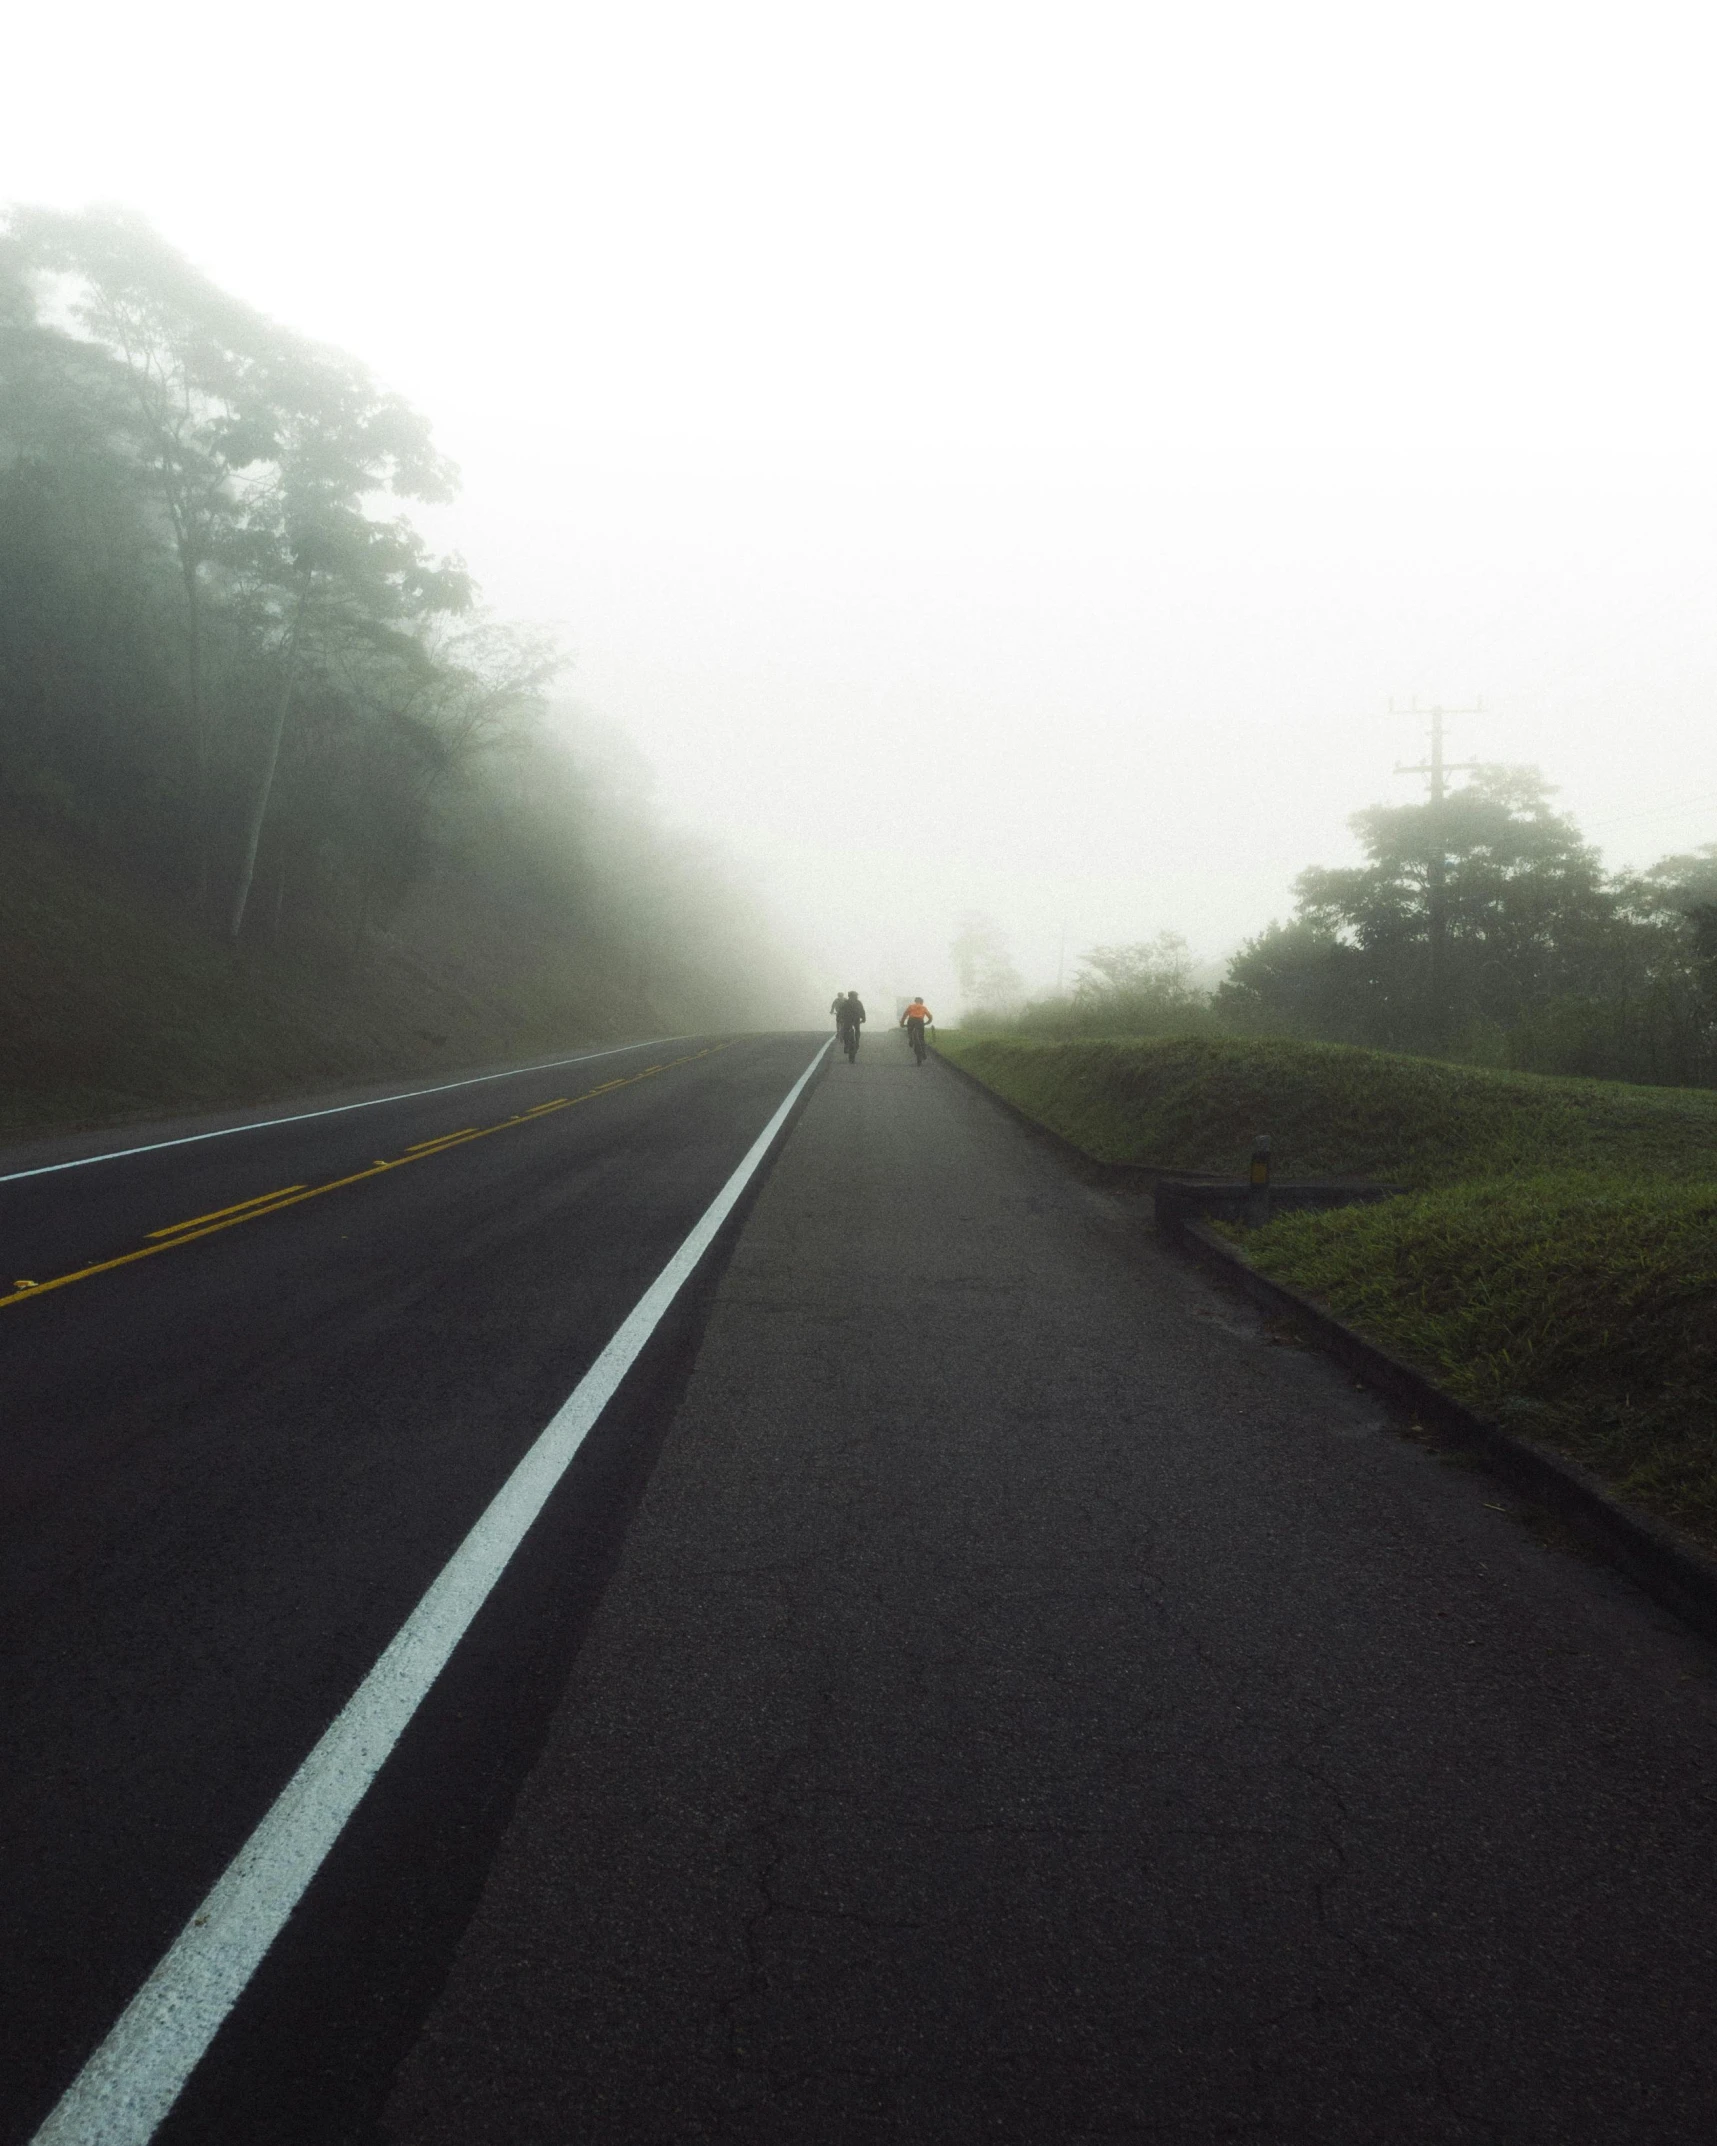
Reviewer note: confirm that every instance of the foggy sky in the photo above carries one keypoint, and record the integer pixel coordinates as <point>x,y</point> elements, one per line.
<point>1007,458</point>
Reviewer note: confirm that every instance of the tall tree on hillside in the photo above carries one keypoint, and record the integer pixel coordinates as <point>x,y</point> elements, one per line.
<point>386,732</point>
<point>1158,970</point>
<point>989,982</point>
<point>262,449</point>
<point>182,350</point>
<point>1525,908</point>
<point>1672,909</point>
<point>345,600</point>
<point>84,573</point>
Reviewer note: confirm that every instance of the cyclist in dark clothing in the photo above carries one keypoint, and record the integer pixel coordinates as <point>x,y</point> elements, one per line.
<point>849,1019</point>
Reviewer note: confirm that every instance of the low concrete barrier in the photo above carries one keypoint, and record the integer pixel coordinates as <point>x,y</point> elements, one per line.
<point>1182,1199</point>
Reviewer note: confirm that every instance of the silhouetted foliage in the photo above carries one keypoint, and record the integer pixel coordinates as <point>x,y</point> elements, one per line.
<point>228,657</point>
<point>989,983</point>
<point>1142,989</point>
<point>1547,964</point>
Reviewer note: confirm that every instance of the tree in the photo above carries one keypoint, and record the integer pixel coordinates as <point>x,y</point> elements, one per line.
<point>1144,988</point>
<point>1673,911</point>
<point>182,350</point>
<point>1302,979</point>
<point>342,596</point>
<point>989,982</point>
<point>1158,969</point>
<point>225,655</point>
<point>263,452</point>
<point>91,708</point>
<point>1524,911</point>
<point>382,748</point>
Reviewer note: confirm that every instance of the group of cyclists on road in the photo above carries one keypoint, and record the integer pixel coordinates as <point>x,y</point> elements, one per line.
<point>849,1013</point>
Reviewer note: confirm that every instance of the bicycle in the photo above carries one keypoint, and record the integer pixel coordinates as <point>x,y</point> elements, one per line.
<point>850,1044</point>
<point>915,1036</point>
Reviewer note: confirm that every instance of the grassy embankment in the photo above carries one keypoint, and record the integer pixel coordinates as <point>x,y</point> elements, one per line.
<point>115,1005</point>
<point>1554,1264</point>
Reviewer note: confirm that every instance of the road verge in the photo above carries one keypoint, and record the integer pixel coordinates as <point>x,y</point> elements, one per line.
<point>1669,1567</point>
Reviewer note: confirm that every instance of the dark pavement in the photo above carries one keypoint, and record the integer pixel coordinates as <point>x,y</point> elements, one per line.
<point>229,1469</point>
<point>1032,1706</point>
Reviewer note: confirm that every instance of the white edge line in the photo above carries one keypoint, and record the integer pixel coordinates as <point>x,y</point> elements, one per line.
<point>334,1110</point>
<point>132,2081</point>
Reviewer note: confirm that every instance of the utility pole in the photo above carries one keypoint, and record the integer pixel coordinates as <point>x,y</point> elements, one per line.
<point>1436,865</point>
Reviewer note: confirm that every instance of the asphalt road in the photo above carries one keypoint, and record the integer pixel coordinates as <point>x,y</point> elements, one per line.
<point>971,1686</point>
<point>1031,1706</point>
<point>255,1391</point>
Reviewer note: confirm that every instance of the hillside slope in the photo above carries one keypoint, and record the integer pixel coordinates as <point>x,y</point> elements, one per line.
<point>1338,1111</point>
<point>115,1003</point>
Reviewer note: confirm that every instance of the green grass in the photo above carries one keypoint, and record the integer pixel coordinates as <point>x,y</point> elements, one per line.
<point>1554,1267</point>
<point>1578,1308</point>
<point>1333,1111</point>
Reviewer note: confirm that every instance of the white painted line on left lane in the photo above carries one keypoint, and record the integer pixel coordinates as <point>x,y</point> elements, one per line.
<point>333,1110</point>
<point>127,2087</point>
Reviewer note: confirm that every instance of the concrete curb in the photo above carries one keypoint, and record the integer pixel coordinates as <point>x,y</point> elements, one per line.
<point>1185,1193</point>
<point>1181,1199</point>
<point>1665,1564</point>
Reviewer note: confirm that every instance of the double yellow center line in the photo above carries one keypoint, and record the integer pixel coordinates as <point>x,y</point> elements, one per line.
<point>271,1203</point>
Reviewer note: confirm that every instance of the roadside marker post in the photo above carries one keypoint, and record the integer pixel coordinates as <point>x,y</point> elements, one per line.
<point>1258,1186</point>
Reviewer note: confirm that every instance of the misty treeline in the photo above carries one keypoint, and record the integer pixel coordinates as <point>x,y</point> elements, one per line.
<point>1482,928</point>
<point>228,657</point>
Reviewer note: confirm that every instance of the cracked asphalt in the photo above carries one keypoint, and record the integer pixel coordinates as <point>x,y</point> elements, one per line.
<point>1030,1705</point>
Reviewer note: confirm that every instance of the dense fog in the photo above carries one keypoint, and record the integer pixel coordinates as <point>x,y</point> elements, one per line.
<point>230,664</point>
<point>1013,473</point>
